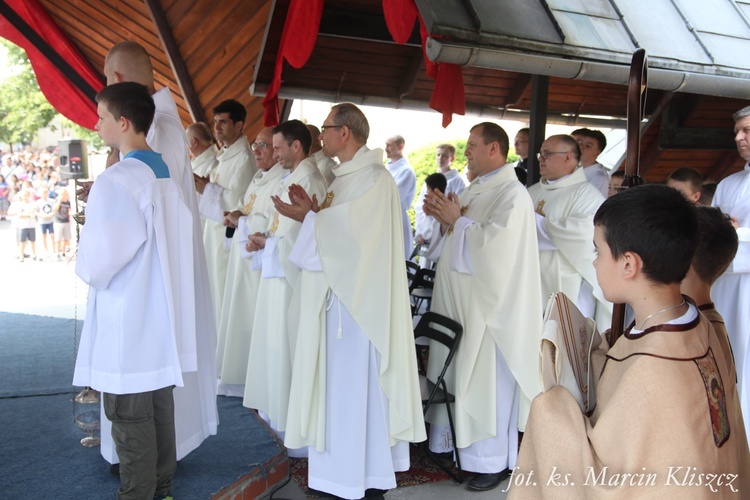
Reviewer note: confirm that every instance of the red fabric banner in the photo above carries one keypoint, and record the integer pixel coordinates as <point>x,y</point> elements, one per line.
<point>297,43</point>
<point>63,95</point>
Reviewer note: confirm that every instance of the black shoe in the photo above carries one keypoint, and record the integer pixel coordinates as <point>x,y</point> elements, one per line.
<point>375,493</point>
<point>114,469</point>
<point>484,482</point>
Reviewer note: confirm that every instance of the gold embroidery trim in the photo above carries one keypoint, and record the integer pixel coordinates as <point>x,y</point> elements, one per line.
<point>249,207</point>
<point>327,201</point>
<point>275,224</point>
<point>539,208</point>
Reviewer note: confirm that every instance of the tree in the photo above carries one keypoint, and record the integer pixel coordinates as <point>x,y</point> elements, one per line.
<point>23,108</point>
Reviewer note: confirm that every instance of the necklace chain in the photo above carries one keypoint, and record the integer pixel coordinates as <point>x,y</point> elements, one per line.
<point>659,312</point>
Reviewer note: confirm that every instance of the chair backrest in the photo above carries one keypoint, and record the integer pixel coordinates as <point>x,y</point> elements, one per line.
<point>426,328</point>
<point>425,278</point>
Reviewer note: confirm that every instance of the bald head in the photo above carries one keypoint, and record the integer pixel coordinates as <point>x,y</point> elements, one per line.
<point>129,62</point>
<point>199,138</point>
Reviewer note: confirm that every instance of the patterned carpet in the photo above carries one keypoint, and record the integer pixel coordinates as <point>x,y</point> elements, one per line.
<point>423,470</point>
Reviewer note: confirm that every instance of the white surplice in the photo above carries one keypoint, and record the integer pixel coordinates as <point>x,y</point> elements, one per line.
<point>241,287</point>
<point>229,181</point>
<point>731,292</point>
<point>597,175</point>
<point>423,223</point>
<point>406,181</point>
<point>196,415</point>
<point>269,368</point>
<point>354,397</point>
<point>203,165</point>
<point>139,333</point>
<point>488,280</point>
<point>565,224</point>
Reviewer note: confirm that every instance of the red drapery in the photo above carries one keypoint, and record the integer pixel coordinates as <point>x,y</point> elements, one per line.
<point>67,98</point>
<point>298,40</point>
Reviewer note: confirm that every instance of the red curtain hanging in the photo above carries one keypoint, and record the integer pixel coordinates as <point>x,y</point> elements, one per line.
<point>297,43</point>
<point>74,101</point>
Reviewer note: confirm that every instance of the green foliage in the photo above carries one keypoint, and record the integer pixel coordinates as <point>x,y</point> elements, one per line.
<point>23,108</point>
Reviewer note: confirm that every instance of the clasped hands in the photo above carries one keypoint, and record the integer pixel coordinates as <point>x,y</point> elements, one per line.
<point>299,204</point>
<point>446,209</point>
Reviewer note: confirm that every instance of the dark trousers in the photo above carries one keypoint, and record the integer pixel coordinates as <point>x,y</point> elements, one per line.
<point>144,436</point>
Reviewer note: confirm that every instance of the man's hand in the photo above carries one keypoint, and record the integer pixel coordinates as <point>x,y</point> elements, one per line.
<point>82,193</point>
<point>255,242</point>
<point>232,219</point>
<point>300,203</point>
<point>200,183</point>
<point>445,209</point>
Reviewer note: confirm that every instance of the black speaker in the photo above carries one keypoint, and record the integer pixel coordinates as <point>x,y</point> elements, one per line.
<point>74,159</point>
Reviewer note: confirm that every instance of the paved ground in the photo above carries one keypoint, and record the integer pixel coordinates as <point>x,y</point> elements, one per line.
<point>50,288</point>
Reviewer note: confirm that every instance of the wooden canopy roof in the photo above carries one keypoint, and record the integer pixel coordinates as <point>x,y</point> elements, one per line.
<point>206,51</point>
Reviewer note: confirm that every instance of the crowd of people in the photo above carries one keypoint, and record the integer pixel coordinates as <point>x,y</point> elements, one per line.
<point>37,202</point>
<point>274,271</point>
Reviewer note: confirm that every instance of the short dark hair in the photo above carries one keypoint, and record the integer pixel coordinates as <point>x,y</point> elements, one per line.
<point>597,135</point>
<point>436,181</point>
<point>492,132</point>
<point>618,173</point>
<point>235,109</point>
<point>656,222</point>
<point>131,100</point>
<point>569,141</point>
<point>689,175</point>
<point>717,243</point>
<point>295,130</point>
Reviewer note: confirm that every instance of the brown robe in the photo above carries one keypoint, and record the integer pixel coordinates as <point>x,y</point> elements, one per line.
<point>667,424</point>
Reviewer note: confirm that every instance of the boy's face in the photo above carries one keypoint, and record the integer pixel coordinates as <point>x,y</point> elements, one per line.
<point>606,267</point>
<point>107,127</point>
<point>685,188</point>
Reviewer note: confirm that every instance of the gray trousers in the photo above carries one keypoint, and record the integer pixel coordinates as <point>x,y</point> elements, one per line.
<point>144,437</point>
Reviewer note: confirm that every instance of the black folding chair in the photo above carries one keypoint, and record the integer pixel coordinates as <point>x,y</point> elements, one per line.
<point>421,287</point>
<point>434,393</point>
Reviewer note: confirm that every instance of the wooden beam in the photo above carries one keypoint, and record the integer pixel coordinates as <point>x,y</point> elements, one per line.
<point>537,126</point>
<point>179,69</point>
<point>411,75</point>
<point>696,138</point>
<point>649,158</point>
<point>522,85</point>
<point>719,170</point>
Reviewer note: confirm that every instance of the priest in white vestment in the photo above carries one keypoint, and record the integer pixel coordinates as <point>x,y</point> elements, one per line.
<point>196,415</point>
<point>565,204</point>
<point>591,144</point>
<point>731,292</point>
<point>488,280</point>
<point>203,152</point>
<point>444,156</point>
<point>223,189</point>
<point>250,215</point>
<point>269,367</point>
<point>406,181</point>
<point>354,396</point>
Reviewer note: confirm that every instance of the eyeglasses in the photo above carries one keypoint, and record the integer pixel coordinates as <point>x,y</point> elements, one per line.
<point>259,145</point>
<point>547,154</point>
<point>324,127</point>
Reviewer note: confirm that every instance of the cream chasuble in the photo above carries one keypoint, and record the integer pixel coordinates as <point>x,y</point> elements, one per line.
<point>358,236</point>
<point>667,425</point>
<point>566,211</point>
<point>269,368</point>
<point>229,181</point>
<point>731,292</point>
<point>325,165</point>
<point>488,280</point>
<point>204,163</point>
<point>241,288</point>
<point>196,416</point>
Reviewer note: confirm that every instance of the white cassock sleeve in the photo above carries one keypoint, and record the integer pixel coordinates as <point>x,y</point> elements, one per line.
<point>210,205</point>
<point>304,253</point>
<point>422,223</point>
<point>543,239</point>
<point>741,262</point>
<point>114,228</point>
<point>271,265</point>
<point>460,255</point>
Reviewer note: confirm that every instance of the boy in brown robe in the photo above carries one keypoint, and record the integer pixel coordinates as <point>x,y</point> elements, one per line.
<point>667,422</point>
